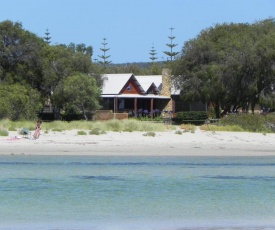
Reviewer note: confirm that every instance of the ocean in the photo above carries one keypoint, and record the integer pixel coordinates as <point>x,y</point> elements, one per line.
<point>142,193</point>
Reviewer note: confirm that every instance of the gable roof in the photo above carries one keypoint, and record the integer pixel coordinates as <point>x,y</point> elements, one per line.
<point>113,83</point>
<point>147,80</point>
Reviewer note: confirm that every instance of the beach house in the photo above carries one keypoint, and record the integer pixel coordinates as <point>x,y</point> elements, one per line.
<point>147,95</point>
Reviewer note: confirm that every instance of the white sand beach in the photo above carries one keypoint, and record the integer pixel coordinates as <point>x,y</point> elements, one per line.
<point>200,143</point>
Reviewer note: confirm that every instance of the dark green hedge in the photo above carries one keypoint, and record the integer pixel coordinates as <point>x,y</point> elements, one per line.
<point>193,117</point>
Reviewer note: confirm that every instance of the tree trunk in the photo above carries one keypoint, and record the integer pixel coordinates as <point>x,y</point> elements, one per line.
<point>216,106</point>
<point>84,114</point>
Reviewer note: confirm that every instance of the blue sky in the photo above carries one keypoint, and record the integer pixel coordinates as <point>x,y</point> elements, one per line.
<point>130,26</point>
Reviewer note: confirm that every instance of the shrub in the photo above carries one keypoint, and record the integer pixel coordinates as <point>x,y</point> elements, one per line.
<point>19,102</point>
<point>4,132</point>
<point>248,122</point>
<point>178,132</point>
<point>81,133</point>
<point>149,134</point>
<point>97,131</point>
<point>192,117</point>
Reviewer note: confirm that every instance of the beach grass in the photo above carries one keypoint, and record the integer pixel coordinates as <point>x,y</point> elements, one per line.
<point>97,131</point>
<point>188,127</point>
<point>231,123</point>
<point>227,128</point>
<point>3,132</point>
<point>243,122</point>
<point>129,125</point>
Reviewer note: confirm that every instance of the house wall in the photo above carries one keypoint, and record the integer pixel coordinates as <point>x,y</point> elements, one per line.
<point>130,88</point>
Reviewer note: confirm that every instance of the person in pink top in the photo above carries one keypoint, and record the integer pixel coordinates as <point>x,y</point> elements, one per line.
<point>37,130</point>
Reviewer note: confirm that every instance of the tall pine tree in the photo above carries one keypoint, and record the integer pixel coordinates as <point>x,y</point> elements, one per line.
<point>153,53</point>
<point>170,53</point>
<point>104,57</point>
<point>47,37</point>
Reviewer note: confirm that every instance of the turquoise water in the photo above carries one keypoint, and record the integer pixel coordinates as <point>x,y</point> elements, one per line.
<point>169,193</point>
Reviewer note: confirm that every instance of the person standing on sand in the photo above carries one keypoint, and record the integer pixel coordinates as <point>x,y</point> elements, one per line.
<point>37,130</point>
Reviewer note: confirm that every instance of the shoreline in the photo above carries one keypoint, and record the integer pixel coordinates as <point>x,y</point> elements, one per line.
<point>199,143</point>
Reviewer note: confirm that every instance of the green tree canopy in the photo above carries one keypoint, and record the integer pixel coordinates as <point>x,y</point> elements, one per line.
<point>78,94</point>
<point>20,55</point>
<point>228,65</point>
<point>32,62</point>
<point>19,102</point>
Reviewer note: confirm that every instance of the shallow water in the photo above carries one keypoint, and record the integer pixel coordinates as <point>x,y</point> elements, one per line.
<point>82,192</point>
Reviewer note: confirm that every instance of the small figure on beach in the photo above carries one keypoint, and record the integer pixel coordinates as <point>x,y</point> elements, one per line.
<point>37,129</point>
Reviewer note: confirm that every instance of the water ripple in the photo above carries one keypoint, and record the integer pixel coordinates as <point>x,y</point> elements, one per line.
<point>102,178</point>
<point>255,178</point>
<point>185,164</point>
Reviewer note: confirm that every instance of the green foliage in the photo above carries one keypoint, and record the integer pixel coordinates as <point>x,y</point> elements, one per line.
<point>57,130</point>
<point>178,132</point>
<point>97,131</point>
<point>188,127</point>
<point>248,122</point>
<point>229,65</point>
<point>19,102</point>
<point>104,57</point>
<point>81,132</point>
<point>3,132</point>
<point>78,94</point>
<point>20,56</point>
<point>149,134</point>
<point>27,60</point>
<point>211,112</point>
<point>110,125</point>
<point>244,123</point>
<point>192,117</point>
<point>227,128</point>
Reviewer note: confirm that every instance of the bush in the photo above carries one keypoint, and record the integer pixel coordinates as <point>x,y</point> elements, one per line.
<point>192,117</point>
<point>81,133</point>
<point>178,132</point>
<point>97,131</point>
<point>244,122</point>
<point>4,132</point>
<point>19,102</point>
<point>149,134</point>
<point>248,122</point>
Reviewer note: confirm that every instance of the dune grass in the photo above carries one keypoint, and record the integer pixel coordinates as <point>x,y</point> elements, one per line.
<point>188,128</point>
<point>129,125</point>
<point>4,132</point>
<point>243,122</point>
<point>228,128</point>
<point>231,123</point>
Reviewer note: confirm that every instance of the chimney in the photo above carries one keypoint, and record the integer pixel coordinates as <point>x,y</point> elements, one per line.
<point>166,87</point>
<point>166,82</point>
